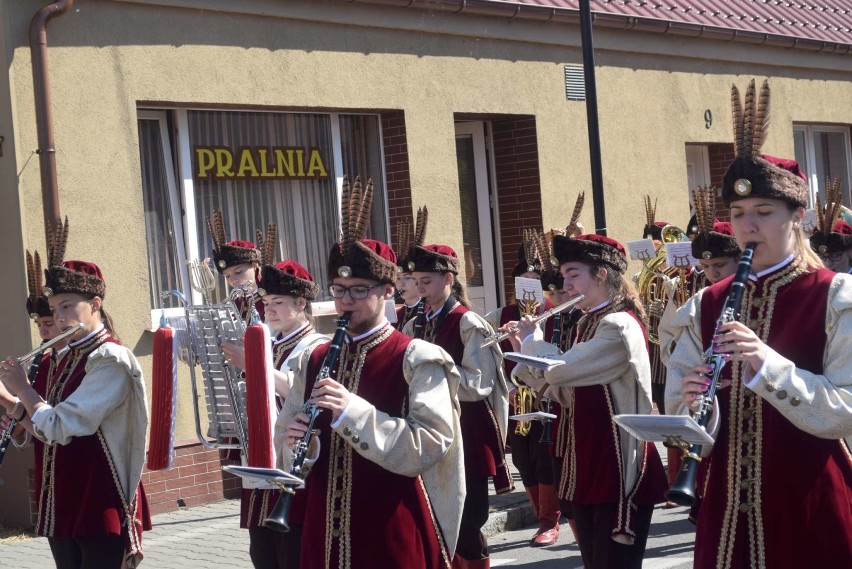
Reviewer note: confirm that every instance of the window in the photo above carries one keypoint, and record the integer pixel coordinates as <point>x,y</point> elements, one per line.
<point>257,168</point>
<point>824,152</point>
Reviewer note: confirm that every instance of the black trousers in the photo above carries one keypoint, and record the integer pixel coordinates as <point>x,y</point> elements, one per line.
<point>275,550</point>
<point>530,457</point>
<point>658,396</point>
<point>594,531</point>
<point>472,544</point>
<point>94,552</point>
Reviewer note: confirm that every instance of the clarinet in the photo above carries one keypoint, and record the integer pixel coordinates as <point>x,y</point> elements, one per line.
<point>682,492</point>
<point>419,320</point>
<point>278,519</point>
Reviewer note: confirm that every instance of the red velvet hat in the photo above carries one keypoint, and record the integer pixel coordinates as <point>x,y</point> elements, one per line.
<point>37,305</point>
<point>355,256</point>
<point>714,238</point>
<point>434,259</point>
<point>287,278</point>
<point>592,250</point>
<point>753,174</point>
<point>229,253</point>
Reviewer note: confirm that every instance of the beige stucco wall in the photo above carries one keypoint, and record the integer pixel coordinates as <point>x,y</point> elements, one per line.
<point>108,58</point>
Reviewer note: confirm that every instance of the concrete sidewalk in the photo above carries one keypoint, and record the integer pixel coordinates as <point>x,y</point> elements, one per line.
<point>210,535</point>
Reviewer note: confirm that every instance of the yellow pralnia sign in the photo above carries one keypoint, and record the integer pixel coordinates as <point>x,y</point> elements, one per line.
<point>259,163</point>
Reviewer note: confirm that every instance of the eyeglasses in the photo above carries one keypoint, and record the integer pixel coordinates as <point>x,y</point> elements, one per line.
<point>356,292</point>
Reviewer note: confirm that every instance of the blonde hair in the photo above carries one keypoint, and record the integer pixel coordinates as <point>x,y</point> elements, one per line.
<point>808,255</point>
<point>621,289</point>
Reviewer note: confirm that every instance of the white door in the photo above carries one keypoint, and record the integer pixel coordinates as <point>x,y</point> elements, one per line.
<point>478,254</point>
<point>697,169</point>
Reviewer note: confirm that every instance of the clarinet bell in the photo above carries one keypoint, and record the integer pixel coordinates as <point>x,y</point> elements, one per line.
<point>546,435</point>
<point>682,491</point>
<point>278,519</point>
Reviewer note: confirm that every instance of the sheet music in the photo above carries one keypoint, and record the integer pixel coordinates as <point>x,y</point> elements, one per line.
<point>532,361</point>
<point>273,475</point>
<point>641,249</point>
<point>664,428</point>
<point>537,416</point>
<point>680,255</point>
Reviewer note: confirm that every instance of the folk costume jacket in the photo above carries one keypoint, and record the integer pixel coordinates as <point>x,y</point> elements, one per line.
<point>97,418</point>
<point>400,428</point>
<point>779,476</point>
<point>608,368</point>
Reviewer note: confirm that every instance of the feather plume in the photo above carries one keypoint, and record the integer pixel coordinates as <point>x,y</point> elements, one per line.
<point>761,119</point>
<point>34,274</point>
<point>749,113</point>
<point>834,201</point>
<point>420,228</point>
<point>544,251</point>
<point>650,210</point>
<point>530,248</point>
<point>820,215</point>
<point>266,243</point>
<point>216,226</point>
<point>345,204</point>
<point>403,237</point>
<point>705,208</point>
<point>737,120</point>
<point>57,242</point>
<point>575,215</point>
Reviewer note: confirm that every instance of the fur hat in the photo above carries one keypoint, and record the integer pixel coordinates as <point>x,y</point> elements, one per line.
<point>77,277</point>
<point>355,256</point>
<point>832,235</point>
<point>434,259</point>
<point>408,237</point>
<point>552,280</point>
<point>591,249</point>
<point>714,238</point>
<point>753,174</point>
<point>287,278</point>
<point>692,226</point>
<point>37,305</point>
<point>230,253</point>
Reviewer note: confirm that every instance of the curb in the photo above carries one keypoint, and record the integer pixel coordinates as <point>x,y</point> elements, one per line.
<point>509,519</point>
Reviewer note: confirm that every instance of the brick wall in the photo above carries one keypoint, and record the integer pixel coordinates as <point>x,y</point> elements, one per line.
<point>196,478</point>
<point>518,188</point>
<point>720,155</point>
<point>396,169</point>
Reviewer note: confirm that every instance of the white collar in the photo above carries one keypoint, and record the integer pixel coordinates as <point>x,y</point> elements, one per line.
<point>88,336</point>
<point>372,331</point>
<point>432,315</point>
<point>279,338</point>
<point>772,269</point>
<point>411,305</point>
<point>603,304</point>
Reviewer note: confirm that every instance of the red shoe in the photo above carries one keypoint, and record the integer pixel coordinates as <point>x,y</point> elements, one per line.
<point>546,537</point>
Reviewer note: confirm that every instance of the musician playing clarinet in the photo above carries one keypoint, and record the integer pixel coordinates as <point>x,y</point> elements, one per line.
<point>612,479</point>
<point>483,393</point>
<point>386,485</point>
<point>90,418</point>
<point>779,476</point>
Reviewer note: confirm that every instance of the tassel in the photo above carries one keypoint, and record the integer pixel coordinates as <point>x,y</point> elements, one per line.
<point>260,396</point>
<point>163,400</point>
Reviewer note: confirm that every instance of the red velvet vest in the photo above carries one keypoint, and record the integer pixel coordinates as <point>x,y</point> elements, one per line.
<point>776,496</point>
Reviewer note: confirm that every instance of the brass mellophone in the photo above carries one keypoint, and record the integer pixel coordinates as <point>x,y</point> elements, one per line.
<point>6,435</point>
<point>500,336</point>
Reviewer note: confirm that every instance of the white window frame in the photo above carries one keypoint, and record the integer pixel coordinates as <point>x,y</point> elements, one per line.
<point>187,232</point>
<point>814,183</point>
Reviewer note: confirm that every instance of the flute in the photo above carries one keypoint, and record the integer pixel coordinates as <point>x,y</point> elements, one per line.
<point>6,436</point>
<point>500,336</point>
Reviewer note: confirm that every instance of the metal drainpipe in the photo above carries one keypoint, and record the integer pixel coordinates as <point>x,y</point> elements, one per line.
<point>44,116</point>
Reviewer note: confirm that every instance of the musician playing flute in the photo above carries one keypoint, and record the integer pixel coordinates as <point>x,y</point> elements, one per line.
<point>386,486</point>
<point>89,417</point>
<point>613,480</point>
<point>287,289</point>
<point>779,476</point>
<point>531,458</point>
<point>41,315</point>
<point>483,393</point>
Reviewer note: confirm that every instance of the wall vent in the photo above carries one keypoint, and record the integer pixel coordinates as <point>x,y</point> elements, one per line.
<point>575,86</point>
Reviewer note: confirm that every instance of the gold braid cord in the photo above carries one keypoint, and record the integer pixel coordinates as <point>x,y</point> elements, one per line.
<point>355,212</point>
<point>575,215</point>
<point>57,242</point>
<point>750,119</point>
<point>216,226</point>
<point>266,243</point>
<point>34,274</point>
<point>705,208</point>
